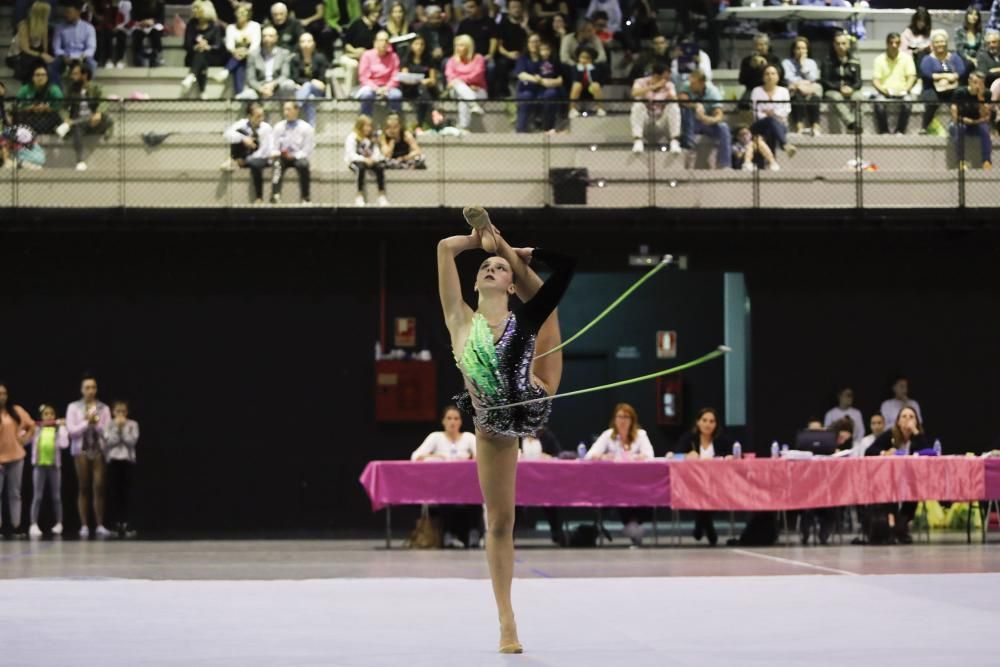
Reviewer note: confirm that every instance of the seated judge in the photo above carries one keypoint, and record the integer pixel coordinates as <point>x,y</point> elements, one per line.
<point>904,438</point>
<point>705,441</point>
<point>625,441</point>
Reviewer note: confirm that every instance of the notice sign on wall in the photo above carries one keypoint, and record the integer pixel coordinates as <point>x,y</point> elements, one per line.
<point>406,332</point>
<point>666,344</point>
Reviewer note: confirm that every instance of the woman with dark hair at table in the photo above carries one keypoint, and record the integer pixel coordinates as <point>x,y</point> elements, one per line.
<point>906,436</point>
<point>705,441</point>
<point>460,523</point>
<point>625,441</point>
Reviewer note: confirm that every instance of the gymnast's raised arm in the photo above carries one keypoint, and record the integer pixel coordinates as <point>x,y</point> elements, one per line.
<point>456,311</point>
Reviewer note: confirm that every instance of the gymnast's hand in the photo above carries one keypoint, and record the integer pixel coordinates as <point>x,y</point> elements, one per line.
<point>524,254</point>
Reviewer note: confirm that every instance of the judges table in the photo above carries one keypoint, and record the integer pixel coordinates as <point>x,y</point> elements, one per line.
<point>721,484</point>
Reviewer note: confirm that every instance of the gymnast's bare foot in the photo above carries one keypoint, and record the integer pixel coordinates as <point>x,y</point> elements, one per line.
<point>508,638</point>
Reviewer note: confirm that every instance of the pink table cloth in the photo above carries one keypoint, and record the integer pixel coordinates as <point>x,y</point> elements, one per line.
<point>993,479</point>
<point>770,484</point>
<point>539,483</point>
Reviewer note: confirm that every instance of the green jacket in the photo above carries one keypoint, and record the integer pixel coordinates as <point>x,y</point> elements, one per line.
<point>29,95</point>
<point>95,100</point>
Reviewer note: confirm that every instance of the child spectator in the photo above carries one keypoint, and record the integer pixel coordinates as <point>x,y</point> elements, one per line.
<point>362,154</point>
<point>46,460</point>
<point>586,82</point>
<point>539,85</point>
<point>399,146</point>
<point>120,438</point>
<point>750,152</point>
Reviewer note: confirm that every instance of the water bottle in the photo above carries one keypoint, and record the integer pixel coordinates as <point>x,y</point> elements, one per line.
<point>581,450</point>
<point>453,452</point>
<point>937,447</point>
<point>784,450</point>
<point>774,449</point>
<point>737,450</point>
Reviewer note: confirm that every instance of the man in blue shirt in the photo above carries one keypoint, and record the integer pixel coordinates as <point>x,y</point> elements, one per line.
<point>701,113</point>
<point>74,41</point>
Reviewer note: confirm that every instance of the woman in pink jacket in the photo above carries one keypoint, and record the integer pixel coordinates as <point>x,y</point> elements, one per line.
<point>377,72</point>
<point>466,75</point>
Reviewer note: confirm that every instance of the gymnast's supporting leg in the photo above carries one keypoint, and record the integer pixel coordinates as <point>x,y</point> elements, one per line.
<point>496,461</point>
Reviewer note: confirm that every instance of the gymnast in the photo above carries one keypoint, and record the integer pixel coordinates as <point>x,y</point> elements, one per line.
<point>495,350</point>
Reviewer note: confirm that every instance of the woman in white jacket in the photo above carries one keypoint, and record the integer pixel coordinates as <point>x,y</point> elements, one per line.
<point>362,154</point>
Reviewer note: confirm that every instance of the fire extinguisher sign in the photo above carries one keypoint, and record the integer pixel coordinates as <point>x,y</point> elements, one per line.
<point>666,344</point>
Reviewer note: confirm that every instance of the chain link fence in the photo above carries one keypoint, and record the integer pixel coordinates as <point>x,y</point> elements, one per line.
<point>172,153</point>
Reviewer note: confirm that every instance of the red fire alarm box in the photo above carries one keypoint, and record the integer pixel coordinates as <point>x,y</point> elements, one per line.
<point>405,391</point>
<point>668,400</point>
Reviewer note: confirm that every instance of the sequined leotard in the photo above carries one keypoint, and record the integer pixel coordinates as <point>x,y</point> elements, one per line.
<point>498,373</point>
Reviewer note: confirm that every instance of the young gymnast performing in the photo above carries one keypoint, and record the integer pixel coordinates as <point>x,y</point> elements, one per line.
<point>495,350</point>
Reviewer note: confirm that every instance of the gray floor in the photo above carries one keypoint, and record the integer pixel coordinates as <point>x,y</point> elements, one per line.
<point>251,603</point>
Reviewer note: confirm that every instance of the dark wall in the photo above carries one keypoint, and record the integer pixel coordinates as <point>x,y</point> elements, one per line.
<point>248,355</point>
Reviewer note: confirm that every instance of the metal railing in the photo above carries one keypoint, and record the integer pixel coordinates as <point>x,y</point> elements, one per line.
<point>169,153</point>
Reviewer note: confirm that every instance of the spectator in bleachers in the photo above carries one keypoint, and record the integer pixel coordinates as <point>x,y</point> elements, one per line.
<point>703,114</point>
<point>941,71</point>
<point>970,116</point>
<point>771,107</point>
<point>916,39</point>
<point>74,40</point>
<point>325,28</point>
<point>612,11</point>
<point>689,57</point>
<point>482,29</point>
<point>584,36</point>
<point>86,420</point>
<point>359,38</point>
<point>120,438</point>
<point>268,70</point>
<point>877,426</point>
<point>845,408</point>
<point>202,44</point>
<point>30,46</point>
<point>994,22</point>
<point>841,81</point>
<point>39,103</point>
<point>113,24</point>
<point>988,61</point>
<point>544,11</point>
<point>750,151</point>
<point>46,461</point>
<point>969,37</point>
<point>659,52</point>
<point>399,146</point>
<point>308,72</point>
<point>511,42</point>
<point>310,16</point>
<point>802,77</point>
<point>242,38</point>
<point>752,67</point>
<point>289,28</point>
<point>586,83</point>
<point>907,436</point>
<point>559,29</point>
<point>440,38</point>
<point>362,154</point>
<point>17,429</point>
<point>639,26</point>
<point>821,30</point>
<point>655,105</point>
<point>377,76</point>
<point>625,440</point>
<point>600,21</point>
<point>420,8</point>
<point>85,111</point>
<point>419,62</point>
<point>466,77</point>
<point>704,440</point>
<point>893,76</point>
<point>250,147</point>
<point>900,399</point>
<point>539,85</point>
<point>397,24</point>
<point>147,32</point>
<point>292,145</point>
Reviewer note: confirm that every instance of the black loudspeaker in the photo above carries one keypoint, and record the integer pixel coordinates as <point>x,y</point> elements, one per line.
<point>569,185</point>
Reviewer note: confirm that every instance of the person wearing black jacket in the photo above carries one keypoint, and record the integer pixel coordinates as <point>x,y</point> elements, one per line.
<point>906,437</point>
<point>840,77</point>
<point>147,36</point>
<point>705,441</point>
<point>752,68</point>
